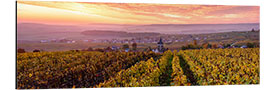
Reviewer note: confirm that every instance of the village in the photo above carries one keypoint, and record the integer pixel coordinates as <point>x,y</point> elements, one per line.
<point>159,48</point>
<point>165,42</point>
<point>245,39</point>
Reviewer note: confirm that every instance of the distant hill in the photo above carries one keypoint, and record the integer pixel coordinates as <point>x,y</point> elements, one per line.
<point>36,28</point>
<point>37,31</point>
<point>117,33</point>
<point>194,28</point>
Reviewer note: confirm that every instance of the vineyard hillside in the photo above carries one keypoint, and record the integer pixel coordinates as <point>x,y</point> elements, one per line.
<point>88,69</point>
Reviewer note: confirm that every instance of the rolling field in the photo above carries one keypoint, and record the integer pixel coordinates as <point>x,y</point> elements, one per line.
<point>83,69</point>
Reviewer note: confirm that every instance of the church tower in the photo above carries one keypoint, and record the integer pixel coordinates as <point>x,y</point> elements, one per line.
<point>160,45</point>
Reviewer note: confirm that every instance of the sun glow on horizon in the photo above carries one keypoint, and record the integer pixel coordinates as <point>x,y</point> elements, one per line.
<point>53,12</point>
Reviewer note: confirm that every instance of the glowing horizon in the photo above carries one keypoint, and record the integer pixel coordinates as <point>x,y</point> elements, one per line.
<point>53,12</point>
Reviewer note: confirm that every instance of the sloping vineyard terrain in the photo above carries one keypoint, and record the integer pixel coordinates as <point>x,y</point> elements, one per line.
<point>83,69</point>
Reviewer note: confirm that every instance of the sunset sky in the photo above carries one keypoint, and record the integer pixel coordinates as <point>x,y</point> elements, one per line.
<point>115,13</point>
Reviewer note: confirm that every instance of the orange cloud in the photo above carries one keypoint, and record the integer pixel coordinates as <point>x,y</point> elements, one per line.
<point>133,13</point>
